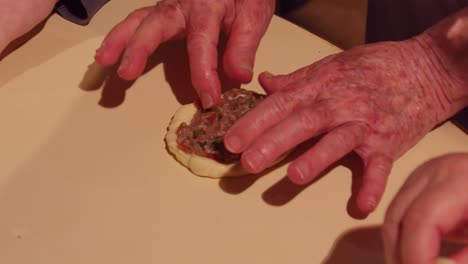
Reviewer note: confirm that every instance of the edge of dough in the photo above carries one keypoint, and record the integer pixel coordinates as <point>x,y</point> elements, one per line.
<point>200,166</point>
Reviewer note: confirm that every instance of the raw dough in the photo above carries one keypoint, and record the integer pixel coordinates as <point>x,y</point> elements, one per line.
<point>200,166</point>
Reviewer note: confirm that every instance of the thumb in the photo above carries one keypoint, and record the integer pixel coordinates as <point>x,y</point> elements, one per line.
<point>273,83</point>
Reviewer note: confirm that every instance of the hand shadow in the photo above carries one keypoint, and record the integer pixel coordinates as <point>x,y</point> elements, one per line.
<point>19,42</point>
<point>364,245</point>
<point>361,245</point>
<point>172,55</point>
<point>285,190</point>
<point>238,185</point>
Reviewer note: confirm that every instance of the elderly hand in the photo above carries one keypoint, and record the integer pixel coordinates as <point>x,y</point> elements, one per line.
<point>376,100</point>
<point>432,205</point>
<point>139,35</point>
<point>19,17</point>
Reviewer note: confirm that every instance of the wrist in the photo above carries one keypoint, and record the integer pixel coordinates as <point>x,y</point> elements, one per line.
<point>443,54</point>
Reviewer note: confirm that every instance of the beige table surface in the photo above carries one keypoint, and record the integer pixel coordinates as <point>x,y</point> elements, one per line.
<point>85,176</point>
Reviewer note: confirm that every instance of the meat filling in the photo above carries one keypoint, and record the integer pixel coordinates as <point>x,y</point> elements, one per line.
<point>205,134</point>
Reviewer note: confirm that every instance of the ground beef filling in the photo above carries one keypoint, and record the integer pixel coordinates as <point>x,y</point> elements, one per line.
<point>204,135</point>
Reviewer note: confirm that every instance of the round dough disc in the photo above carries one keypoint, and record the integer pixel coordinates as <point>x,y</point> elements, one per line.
<point>200,166</point>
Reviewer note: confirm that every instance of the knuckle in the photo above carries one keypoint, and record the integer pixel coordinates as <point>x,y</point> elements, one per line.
<point>199,40</point>
<point>283,101</point>
<point>169,10</point>
<point>308,119</point>
<point>312,118</point>
<point>342,139</point>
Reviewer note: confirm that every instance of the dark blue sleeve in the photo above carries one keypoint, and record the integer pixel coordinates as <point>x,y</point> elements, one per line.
<point>79,11</point>
<point>461,119</point>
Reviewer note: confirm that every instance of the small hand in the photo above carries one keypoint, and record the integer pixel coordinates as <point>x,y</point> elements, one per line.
<point>139,35</point>
<point>431,206</point>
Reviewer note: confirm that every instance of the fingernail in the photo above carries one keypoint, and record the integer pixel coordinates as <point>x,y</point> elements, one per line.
<point>233,144</point>
<point>124,64</point>
<point>372,203</point>
<point>207,100</point>
<point>254,160</point>
<point>100,49</point>
<point>302,175</point>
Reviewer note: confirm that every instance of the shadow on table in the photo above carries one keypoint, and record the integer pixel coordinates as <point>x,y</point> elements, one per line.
<point>361,245</point>
<point>19,42</point>
<point>284,191</point>
<point>365,246</point>
<point>173,56</point>
<point>238,185</point>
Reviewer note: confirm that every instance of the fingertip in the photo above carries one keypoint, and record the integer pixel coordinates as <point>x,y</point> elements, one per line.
<point>265,79</point>
<point>366,203</point>
<point>208,87</point>
<point>131,67</point>
<point>232,143</point>
<point>265,76</point>
<point>104,59</point>
<point>209,99</point>
<point>123,70</point>
<point>378,168</point>
<point>354,211</point>
<point>297,176</point>
<point>206,100</point>
<point>253,161</point>
<point>105,56</point>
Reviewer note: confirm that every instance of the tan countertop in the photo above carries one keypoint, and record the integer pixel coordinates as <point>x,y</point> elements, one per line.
<point>85,176</point>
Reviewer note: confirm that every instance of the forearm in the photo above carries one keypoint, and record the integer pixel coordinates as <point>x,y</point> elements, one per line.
<point>18,17</point>
<point>445,47</point>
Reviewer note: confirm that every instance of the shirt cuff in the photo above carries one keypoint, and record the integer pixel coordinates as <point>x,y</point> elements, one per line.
<point>461,119</point>
<point>79,11</point>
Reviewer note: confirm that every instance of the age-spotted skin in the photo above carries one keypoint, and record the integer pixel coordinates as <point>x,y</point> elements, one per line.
<point>200,23</point>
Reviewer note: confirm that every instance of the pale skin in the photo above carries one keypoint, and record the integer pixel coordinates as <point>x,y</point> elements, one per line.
<point>19,17</point>
<point>376,100</point>
<point>431,206</point>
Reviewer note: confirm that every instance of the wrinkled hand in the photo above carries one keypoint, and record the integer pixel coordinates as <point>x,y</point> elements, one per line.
<point>19,17</point>
<point>375,100</point>
<point>432,205</point>
<point>139,35</point>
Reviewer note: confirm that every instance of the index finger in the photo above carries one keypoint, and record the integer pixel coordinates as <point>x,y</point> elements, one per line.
<point>268,113</point>
<point>202,46</point>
